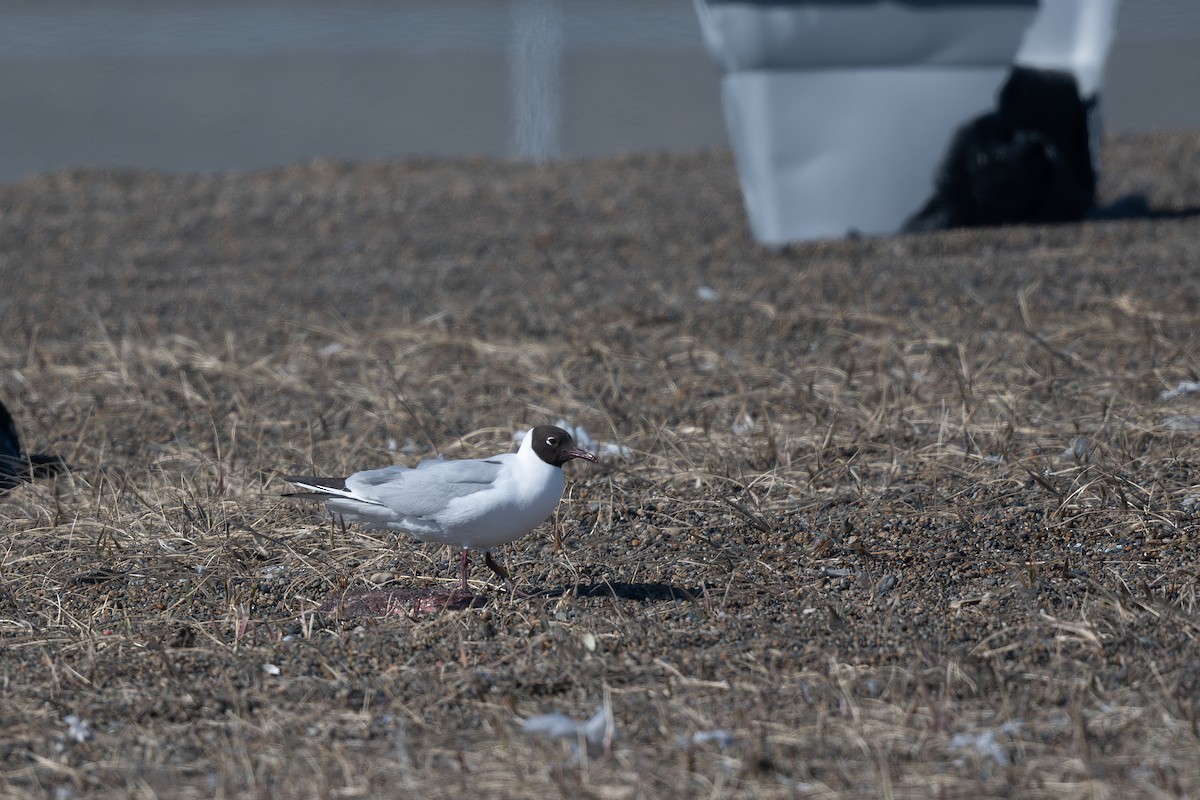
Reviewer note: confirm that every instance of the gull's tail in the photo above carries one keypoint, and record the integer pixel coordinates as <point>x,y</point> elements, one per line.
<point>339,501</point>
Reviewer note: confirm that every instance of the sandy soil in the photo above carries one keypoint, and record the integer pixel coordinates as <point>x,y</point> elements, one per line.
<point>903,517</point>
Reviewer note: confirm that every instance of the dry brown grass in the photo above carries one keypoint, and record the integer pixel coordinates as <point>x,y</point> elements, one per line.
<point>908,517</point>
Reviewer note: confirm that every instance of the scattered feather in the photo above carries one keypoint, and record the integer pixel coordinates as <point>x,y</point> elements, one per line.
<point>1184,387</point>
<point>1080,450</point>
<point>706,294</point>
<point>77,728</point>
<point>597,733</point>
<point>984,742</point>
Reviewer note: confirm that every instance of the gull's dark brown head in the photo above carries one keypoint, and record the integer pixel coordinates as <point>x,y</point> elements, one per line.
<point>555,446</point>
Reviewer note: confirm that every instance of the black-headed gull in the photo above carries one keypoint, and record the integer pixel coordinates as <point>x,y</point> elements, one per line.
<point>475,503</point>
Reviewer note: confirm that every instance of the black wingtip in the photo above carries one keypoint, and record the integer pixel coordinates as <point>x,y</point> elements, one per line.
<point>15,466</point>
<point>317,483</point>
<point>46,465</point>
<point>313,488</point>
<point>21,469</point>
<point>307,495</point>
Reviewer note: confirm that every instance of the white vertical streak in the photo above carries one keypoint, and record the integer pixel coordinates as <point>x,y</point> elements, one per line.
<point>535,59</point>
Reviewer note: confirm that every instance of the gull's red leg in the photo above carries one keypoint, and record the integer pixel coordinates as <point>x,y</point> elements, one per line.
<point>466,560</point>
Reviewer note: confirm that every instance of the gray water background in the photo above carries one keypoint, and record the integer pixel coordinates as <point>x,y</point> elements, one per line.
<point>210,85</point>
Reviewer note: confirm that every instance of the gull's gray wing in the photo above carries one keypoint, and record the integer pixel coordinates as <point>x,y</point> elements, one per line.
<point>428,489</point>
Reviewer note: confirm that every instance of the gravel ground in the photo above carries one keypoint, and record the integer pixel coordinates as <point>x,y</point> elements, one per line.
<point>898,517</point>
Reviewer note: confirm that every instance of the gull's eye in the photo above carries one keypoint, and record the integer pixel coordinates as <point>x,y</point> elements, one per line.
<point>552,440</point>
